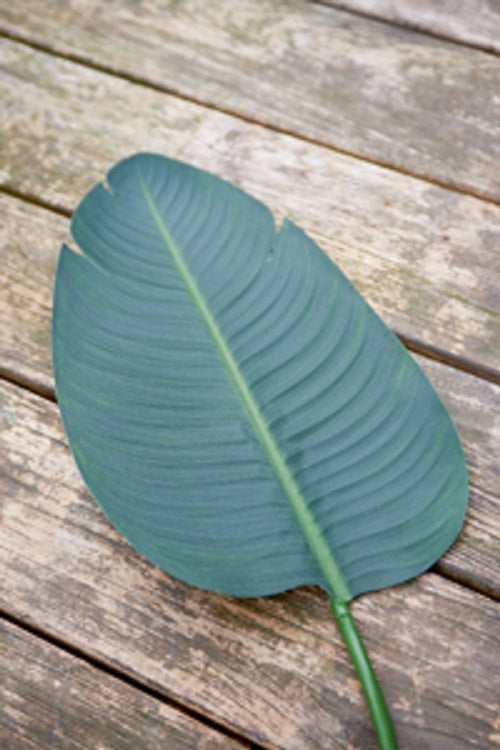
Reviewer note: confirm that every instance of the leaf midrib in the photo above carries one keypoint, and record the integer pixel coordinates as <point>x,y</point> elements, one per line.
<point>312,532</point>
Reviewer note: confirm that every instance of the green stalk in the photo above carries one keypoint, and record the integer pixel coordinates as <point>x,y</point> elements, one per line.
<point>381,717</point>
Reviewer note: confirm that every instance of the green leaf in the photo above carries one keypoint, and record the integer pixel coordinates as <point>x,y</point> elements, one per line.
<point>240,413</point>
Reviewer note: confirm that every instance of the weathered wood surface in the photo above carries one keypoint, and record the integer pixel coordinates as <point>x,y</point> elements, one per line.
<point>274,669</point>
<point>50,699</point>
<point>425,257</point>
<point>30,238</point>
<point>29,255</point>
<point>391,95</point>
<point>474,23</point>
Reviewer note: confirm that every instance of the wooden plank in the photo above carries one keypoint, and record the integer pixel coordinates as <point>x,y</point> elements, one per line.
<point>51,699</point>
<point>425,257</point>
<point>30,238</point>
<point>274,670</point>
<point>393,96</point>
<point>475,409</point>
<point>475,23</point>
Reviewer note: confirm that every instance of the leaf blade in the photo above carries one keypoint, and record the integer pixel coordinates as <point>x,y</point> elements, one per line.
<point>309,405</point>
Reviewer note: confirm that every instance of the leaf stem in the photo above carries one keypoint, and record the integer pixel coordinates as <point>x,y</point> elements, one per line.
<point>382,722</point>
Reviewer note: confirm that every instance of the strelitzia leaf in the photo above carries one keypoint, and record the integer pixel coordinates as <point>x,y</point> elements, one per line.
<point>234,405</point>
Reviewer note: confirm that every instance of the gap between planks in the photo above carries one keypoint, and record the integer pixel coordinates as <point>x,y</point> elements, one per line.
<point>406,25</point>
<point>451,360</point>
<point>32,200</point>
<point>261,122</point>
<point>128,679</point>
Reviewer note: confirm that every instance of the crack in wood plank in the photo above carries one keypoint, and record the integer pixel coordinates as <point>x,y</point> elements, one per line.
<point>471,24</point>
<point>54,693</point>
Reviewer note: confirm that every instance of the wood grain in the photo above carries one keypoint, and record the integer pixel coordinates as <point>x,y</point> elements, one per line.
<point>425,257</point>
<point>475,409</point>
<point>273,669</point>
<point>30,239</point>
<point>475,23</point>
<point>385,93</point>
<point>51,699</point>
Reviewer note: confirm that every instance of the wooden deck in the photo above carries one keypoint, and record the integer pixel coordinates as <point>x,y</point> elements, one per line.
<point>373,125</point>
